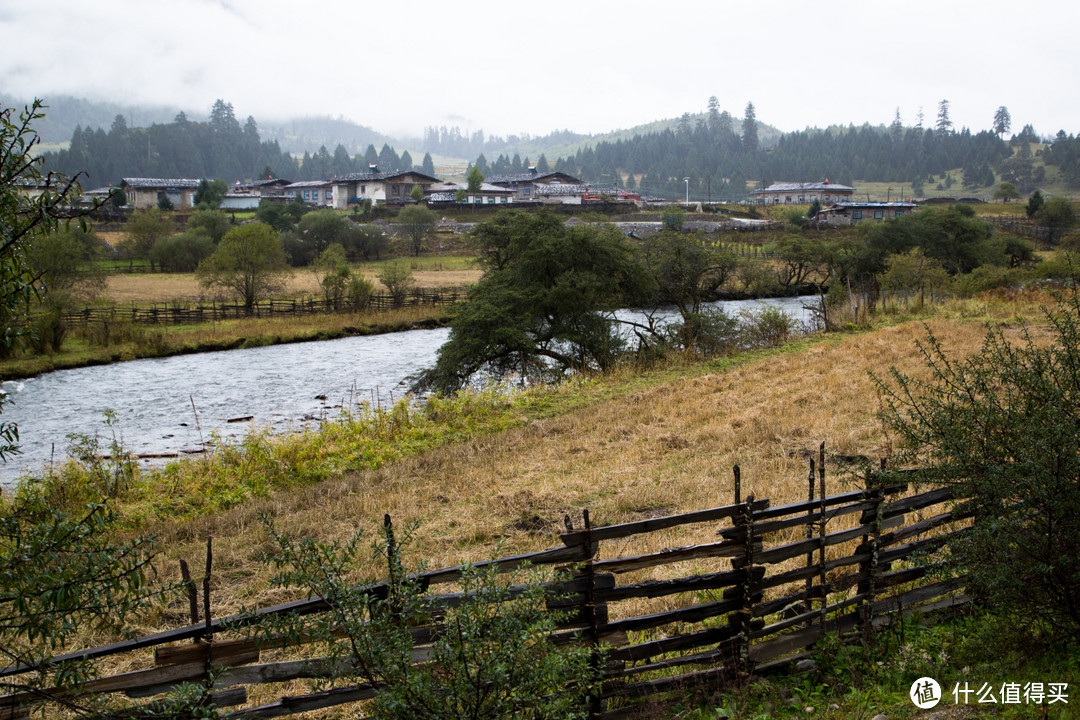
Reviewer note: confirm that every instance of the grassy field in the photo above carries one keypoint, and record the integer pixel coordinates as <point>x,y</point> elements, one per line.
<point>491,474</point>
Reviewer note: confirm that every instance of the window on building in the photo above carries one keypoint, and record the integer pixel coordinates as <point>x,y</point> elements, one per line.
<point>787,200</point>
<point>879,214</point>
<point>856,214</point>
<point>898,213</point>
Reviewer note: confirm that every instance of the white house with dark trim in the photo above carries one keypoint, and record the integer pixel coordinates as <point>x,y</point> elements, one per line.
<point>380,187</point>
<point>803,193</point>
<point>550,187</point>
<point>144,192</point>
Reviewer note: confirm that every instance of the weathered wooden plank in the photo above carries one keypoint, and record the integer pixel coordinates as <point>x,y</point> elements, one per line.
<point>304,703</point>
<point>220,652</point>
<point>801,547</point>
<point>660,588</point>
<point>811,518</point>
<point>917,502</point>
<point>830,501</point>
<point>761,652</point>
<point>923,526</point>
<point>638,527</point>
<point>916,596</point>
<point>710,657</point>
<point>672,555</point>
<point>677,643</point>
<point>713,676</point>
<point>691,614</point>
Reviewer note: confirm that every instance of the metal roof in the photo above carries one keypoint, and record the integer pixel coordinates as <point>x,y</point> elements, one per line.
<point>796,187</point>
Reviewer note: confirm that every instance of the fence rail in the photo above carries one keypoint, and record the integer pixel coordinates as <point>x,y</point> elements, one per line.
<point>188,313</point>
<point>774,581</point>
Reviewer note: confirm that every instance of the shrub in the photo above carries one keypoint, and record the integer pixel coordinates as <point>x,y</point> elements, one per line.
<point>1003,427</point>
<point>490,656</point>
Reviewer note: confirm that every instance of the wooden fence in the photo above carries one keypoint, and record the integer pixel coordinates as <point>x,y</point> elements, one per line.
<point>176,313</point>
<point>756,586</point>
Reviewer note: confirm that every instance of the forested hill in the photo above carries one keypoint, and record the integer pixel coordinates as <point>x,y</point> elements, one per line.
<point>717,157</point>
<point>219,148</point>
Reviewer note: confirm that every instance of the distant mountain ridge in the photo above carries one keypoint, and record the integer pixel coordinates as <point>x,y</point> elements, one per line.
<point>307,134</point>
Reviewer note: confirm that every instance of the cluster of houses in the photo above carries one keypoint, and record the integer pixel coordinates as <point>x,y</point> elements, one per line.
<point>532,187</point>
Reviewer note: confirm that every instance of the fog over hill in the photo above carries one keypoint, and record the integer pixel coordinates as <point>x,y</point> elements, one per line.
<point>307,134</point>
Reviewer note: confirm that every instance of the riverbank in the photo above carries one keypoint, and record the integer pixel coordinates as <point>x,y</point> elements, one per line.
<point>133,342</point>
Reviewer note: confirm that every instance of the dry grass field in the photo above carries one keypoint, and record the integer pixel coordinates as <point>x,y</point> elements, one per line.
<point>630,447</point>
<point>166,287</point>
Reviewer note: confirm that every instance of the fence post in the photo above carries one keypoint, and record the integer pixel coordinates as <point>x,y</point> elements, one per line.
<point>741,619</point>
<point>821,539</point>
<point>869,568</point>
<point>596,702</point>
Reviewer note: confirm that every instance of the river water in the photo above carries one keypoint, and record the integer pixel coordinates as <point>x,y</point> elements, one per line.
<point>169,405</point>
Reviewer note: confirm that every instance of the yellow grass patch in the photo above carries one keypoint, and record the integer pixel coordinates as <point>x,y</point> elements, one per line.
<point>167,287</point>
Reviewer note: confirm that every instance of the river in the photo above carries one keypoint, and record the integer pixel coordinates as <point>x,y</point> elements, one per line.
<point>169,405</point>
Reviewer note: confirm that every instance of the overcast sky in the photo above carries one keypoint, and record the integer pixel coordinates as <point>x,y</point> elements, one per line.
<point>520,66</point>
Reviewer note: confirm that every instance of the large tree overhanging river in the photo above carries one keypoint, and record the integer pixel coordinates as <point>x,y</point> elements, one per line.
<point>169,405</point>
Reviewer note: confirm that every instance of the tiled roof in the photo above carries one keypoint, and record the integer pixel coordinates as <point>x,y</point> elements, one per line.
<point>308,184</point>
<point>561,189</point>
<point>372,176</point>
<point>527,177</point>
<point>161,182</point>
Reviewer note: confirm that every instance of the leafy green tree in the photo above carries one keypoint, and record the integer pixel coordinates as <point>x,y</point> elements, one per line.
<point>1057,215</point>
<point>417,193</point>
<point>686,268</point>
<point>540,307</point>
<point>474,179</point>
<point>334,274</point>
<point>210,194</point>
<point>318,230</point>
<point>799,260</point>
<point>183,252</point>
<point>64,262</point>
<point>1002,121</point>
<point>249,261</point>
<point>750,129</point>
<point>214,222</point>
<point>274,214</point>
<point>1034,204</point>
<point>1003,428</point>
<point>398,281</point>
<point>142,231</point>
<point>913,273</point>
<point>1006,191</point>
<point>417,223</point>
<point>365,241</point>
